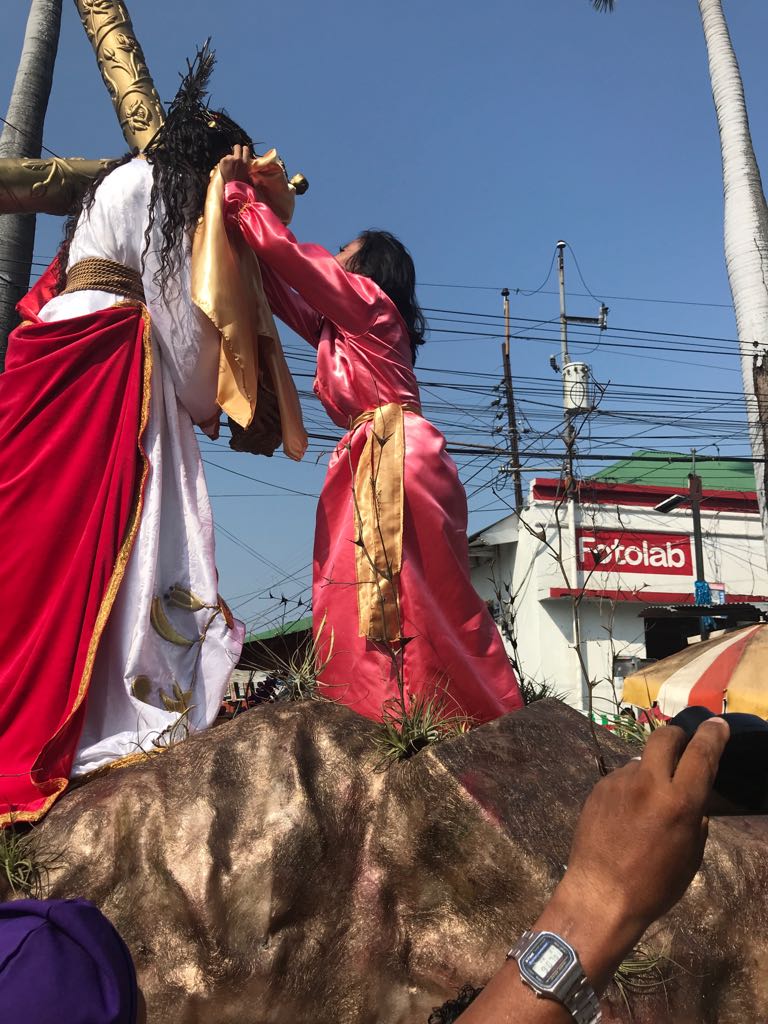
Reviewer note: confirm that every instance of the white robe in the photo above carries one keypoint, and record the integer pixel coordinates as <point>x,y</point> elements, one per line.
<point>174,543</point>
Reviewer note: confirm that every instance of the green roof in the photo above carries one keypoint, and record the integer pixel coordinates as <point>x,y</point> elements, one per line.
<point>287,629</point>
<point>654,468</point>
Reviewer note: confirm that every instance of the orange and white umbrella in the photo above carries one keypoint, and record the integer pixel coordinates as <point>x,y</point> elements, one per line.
<point>729,673</point>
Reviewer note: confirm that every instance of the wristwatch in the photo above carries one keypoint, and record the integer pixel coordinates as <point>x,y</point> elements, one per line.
<point>551,967</point>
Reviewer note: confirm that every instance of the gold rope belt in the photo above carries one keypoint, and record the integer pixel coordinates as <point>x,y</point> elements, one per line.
<point>101,275</point>
<point>378,495</point>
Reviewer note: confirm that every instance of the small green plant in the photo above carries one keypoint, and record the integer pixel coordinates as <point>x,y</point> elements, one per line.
<point>531,691</point>
<point>301,670</point>
<point>173,734</point>
<point>25,873</point>
<point>422,721</point>
<point>632,731</point>
<point>641,973</point>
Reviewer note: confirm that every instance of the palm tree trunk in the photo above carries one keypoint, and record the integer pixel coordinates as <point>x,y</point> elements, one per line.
<point>23,136</point>
<point>746,232</point>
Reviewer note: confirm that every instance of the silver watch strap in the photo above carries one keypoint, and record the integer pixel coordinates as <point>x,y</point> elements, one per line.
<point>579,998</point>
<point>583,1003</point>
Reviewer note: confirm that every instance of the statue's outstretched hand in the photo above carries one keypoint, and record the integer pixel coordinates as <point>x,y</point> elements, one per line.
<point>235,167</point>
<point>266,174</point>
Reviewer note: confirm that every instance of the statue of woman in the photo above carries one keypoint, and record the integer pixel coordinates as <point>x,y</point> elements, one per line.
<point>395,614</point>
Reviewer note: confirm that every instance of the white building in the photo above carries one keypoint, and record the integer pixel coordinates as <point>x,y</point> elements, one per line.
<point>627,558</point>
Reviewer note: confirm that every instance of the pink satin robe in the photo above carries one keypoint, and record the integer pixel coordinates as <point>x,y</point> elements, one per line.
<point>363,361</point>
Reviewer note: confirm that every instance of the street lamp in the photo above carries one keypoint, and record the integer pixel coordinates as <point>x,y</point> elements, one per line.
<point>693,497</point>
<point>670,503</point>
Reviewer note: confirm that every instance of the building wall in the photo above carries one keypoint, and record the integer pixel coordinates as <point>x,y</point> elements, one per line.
<point>542,564</point>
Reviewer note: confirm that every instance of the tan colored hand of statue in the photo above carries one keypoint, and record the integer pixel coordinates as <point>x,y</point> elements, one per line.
<point>235,166</point>
<point>267,176</point>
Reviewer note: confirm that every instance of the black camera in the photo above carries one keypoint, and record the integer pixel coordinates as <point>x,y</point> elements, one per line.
<point>742,778</point>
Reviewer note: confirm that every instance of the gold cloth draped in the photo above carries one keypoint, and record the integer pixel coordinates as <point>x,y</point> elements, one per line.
<point>227,287</point>
<point>378,491</point>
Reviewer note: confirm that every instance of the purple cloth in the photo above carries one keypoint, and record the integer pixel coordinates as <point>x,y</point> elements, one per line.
<point>62,962</point>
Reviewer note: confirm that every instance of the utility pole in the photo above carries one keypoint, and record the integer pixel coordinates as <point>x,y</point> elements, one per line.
<point>703,595</point>
<point>570,382</point>
<point>570,431</point>
<point>564,357</point>
<point>514,441</point>
<point>575,402</point>
<point>702,588</point>
<point>571,492</point>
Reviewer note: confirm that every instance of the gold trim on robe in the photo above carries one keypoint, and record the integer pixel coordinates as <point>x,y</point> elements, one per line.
<point>227,288</point>
<point>378,493</point>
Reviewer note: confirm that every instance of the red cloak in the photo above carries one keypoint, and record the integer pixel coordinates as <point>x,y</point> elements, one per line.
<point>74,403</point>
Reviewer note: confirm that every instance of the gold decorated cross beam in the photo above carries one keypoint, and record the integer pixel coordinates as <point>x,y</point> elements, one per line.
<point>45,186</point>
<point>54,186</point>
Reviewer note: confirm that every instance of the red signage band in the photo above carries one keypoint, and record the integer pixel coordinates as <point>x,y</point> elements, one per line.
<point>662,554</point>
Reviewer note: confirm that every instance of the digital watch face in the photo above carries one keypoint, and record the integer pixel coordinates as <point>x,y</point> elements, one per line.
<point>547,961</point>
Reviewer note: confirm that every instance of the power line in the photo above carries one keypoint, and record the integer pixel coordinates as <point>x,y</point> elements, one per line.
<point>525,292</point>
<point>590,334</point>
<point>29,135</point>
<point>267,483</point>
<point>581,276</point>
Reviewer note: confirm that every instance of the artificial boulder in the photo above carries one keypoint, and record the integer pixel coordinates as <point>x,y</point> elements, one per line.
<point>270,871</point>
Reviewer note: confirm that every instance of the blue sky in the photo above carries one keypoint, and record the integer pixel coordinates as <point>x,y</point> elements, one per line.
<point>480,133</point>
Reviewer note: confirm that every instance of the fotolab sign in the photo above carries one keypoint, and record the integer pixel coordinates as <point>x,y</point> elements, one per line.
<point>667,554</point>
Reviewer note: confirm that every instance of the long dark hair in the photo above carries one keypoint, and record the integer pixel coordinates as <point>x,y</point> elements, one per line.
<point>183,152</point>
<point>385,259</point>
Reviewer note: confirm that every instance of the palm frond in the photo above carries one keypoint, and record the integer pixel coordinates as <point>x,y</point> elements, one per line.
<point>603,5</point>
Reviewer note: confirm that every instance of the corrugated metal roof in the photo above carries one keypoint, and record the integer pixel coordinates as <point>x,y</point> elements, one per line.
<point>716,475</point>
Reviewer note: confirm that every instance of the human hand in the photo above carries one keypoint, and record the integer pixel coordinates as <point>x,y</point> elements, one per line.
<point>296,448</point>
<point>641,835</point>
<point>235,167</point>
<point>639,842</point>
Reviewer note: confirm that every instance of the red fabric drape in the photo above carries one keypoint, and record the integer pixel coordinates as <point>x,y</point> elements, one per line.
<point>45,288</point>
<point>73,406</point>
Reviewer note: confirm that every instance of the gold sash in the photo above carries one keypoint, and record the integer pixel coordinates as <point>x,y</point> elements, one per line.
<point>227,287</point>
<point>378,496</point>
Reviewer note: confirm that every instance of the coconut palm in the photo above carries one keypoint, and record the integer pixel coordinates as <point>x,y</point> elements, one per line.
<point>745,228</point>
<point>23,136</point>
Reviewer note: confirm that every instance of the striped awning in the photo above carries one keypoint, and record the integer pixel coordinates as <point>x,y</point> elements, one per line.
<point>729,673</point>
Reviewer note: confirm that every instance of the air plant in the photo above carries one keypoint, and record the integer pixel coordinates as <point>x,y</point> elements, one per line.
<point>420,721</point>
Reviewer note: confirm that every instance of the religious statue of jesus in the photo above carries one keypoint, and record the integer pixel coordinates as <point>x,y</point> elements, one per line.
<point>116,639</point>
